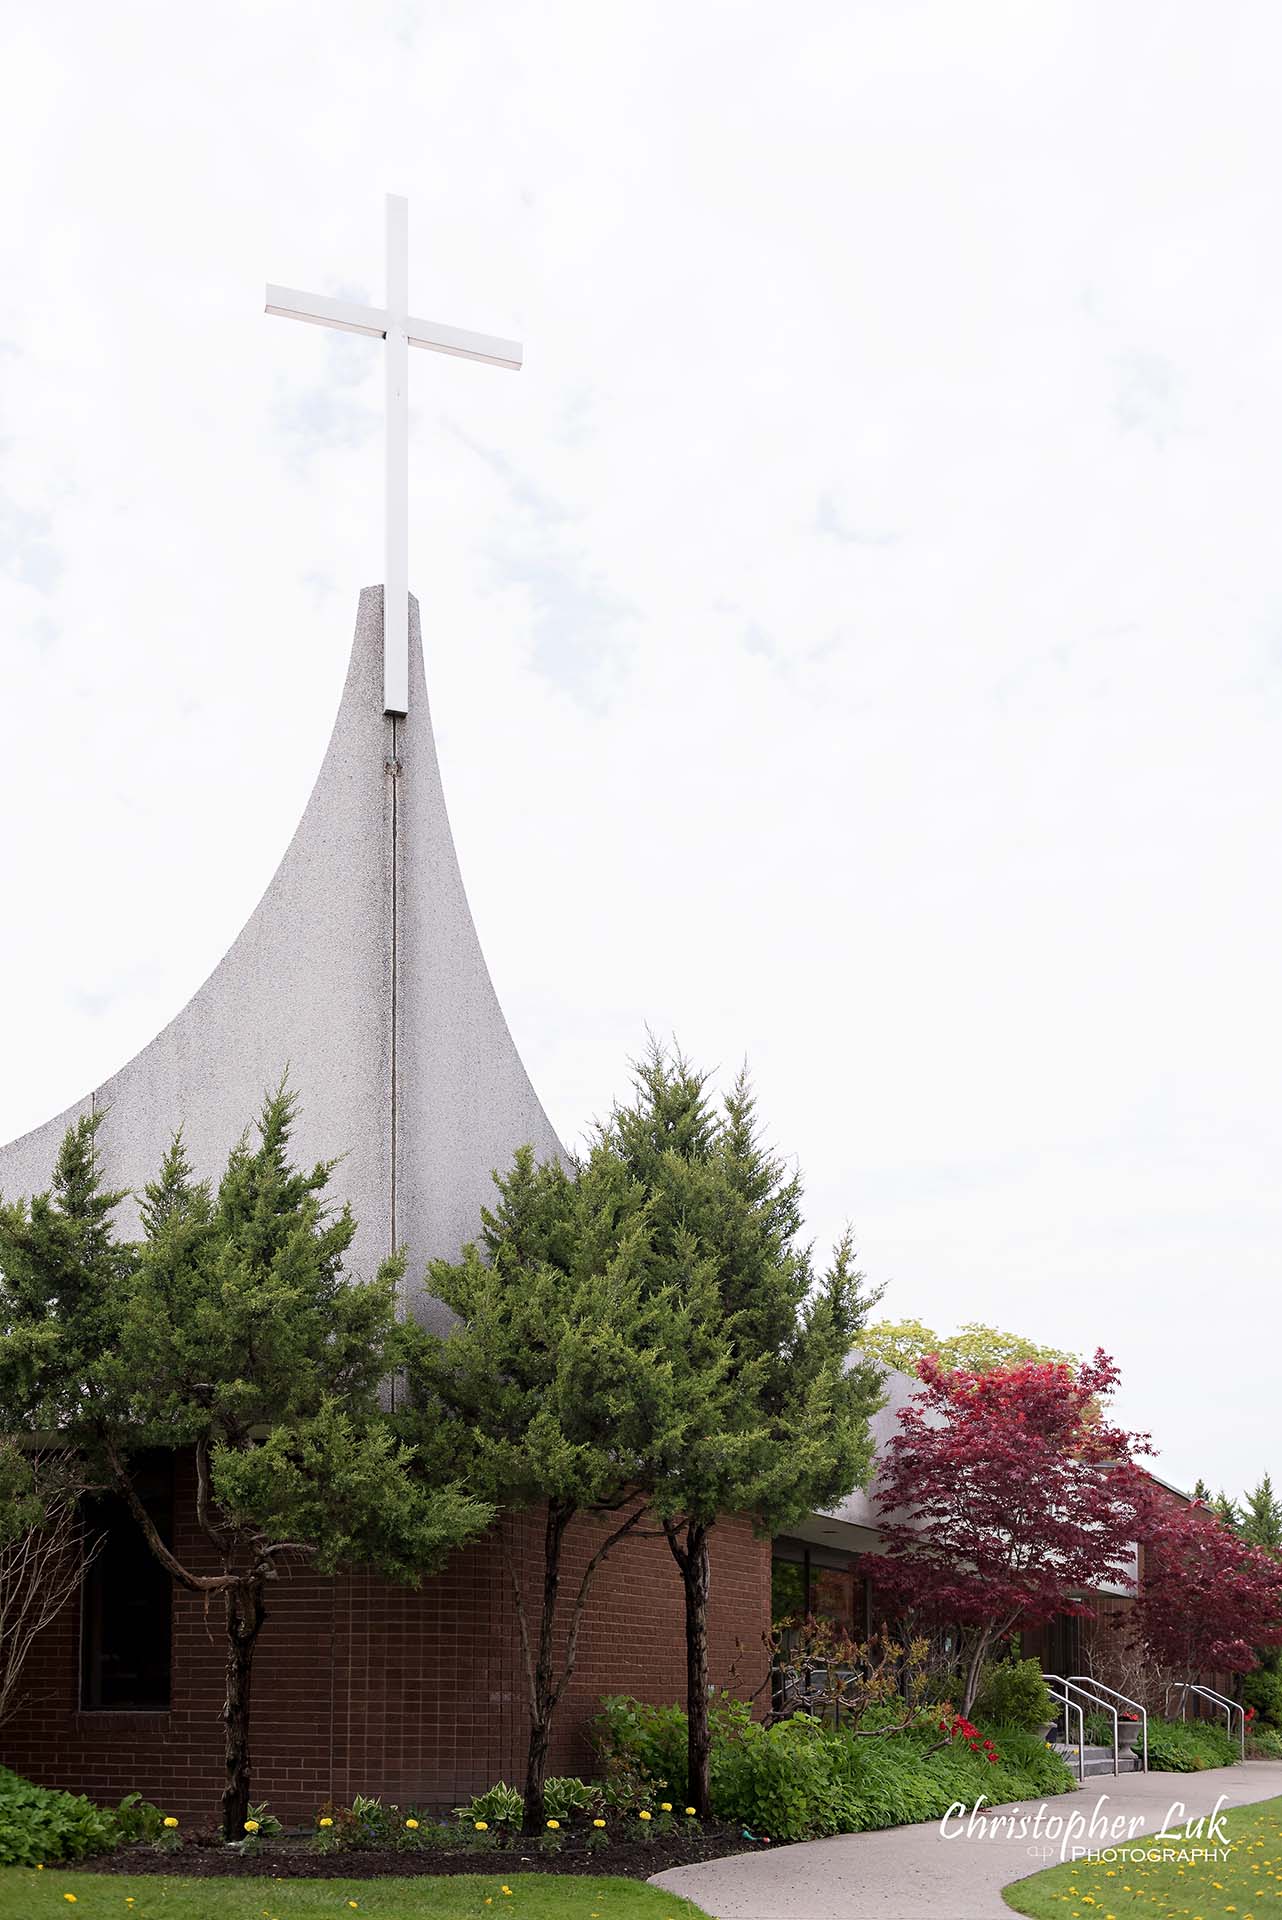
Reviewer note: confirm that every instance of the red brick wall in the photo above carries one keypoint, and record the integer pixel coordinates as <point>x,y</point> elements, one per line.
<point>365,1687</point>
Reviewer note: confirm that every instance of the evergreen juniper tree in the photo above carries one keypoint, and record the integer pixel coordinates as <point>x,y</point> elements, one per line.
<point>783,1431</point>
<point>1260,1521</point>
<point>232,1330</point>
<point>563,1379</point>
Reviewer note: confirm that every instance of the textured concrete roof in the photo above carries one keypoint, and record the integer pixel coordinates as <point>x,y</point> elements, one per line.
<point>360,972</point>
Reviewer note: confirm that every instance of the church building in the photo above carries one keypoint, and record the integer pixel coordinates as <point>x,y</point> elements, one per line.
<point>360,970</point>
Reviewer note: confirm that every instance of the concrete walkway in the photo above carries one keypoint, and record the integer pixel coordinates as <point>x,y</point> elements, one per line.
<point>914,1873</point>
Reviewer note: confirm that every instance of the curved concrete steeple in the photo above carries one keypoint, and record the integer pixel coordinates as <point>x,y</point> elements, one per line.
<point>361,973</point>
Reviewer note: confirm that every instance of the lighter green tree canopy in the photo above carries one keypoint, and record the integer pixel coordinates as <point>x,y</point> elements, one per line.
<point>975,1347</point>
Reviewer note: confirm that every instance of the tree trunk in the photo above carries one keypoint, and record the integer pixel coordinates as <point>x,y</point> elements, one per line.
<point>696,1578</point>
<point>543,1691</point>
<point>243,1605</point>
<point>973,1673</point>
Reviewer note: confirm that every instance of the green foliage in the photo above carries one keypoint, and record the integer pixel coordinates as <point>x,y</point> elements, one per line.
<point>642,1742</point>
<point>234,1329</point>
<point>269,1827</point>
<point>1261,1517</point>
<point>644,1746</point>
<point>21,1505</point>
<point>1014,1693</point>
<point>39,1824</point>
<point>1264,1743</point>
<point>564,1797</point>
<point>975,1347</point>
<point>499,1806</point>
<point>568,1377</point>
<point>567,1372</point>
<point>799,1778</point>
<point>778,1418</point>
<point>1263,1691</point>
<point>778,1409</point>
<point>780,1781</point>
<point>373,1822</point>
<point>1189,1746</point>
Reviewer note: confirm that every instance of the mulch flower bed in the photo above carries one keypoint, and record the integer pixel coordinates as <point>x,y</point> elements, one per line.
<point>285,1859</point>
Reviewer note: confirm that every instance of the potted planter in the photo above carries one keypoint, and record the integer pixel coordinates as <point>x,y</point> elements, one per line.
<point>1128,1733</point>
<point>1049,1729</point>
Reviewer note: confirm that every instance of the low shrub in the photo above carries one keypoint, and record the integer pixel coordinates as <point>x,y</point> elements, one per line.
<point>563,1798</point>
<point>40,1824</point>
<point>499,1806</point>
<point>367,1823</point>
<point>1015,1695</point>
<point>779,1780</point>
<point>634,1737</point>
<point>1189,1746</point>
<point>645,1746</point>
<point>802,1778</point>
<point>1263,1691</point>
<point>1265,1743</point>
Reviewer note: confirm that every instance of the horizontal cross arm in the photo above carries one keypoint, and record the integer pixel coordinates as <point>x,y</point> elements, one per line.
<point>324,312</point>
<point>467,346</point>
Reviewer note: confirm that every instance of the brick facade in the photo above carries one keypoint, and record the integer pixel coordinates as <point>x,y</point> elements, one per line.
<point>365,1687</point>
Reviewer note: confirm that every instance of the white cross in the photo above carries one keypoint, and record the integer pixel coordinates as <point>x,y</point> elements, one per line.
<point>394,324</point>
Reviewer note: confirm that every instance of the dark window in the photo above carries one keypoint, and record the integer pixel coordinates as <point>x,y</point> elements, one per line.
<point>126,1609</point>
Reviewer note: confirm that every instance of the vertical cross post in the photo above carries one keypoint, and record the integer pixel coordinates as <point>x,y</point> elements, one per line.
<point>396,578</point>
<point>396,326</point>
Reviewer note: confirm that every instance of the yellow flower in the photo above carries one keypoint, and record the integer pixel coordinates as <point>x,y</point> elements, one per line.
<point>251,1826</point>
<point>170,1821</point>
<point>643,1815</point>
<point>554,1824</point>
<point>505,1889</point>
<point>326,1822</point>
<point>598,1823</point>
<point>689,1809</point>
<point>412,1825</point>
<point>482,1826</point>
<point>665,1806</point>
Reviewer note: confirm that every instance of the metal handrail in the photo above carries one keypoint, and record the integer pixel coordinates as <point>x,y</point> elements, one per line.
<point>1227,1706</point>
<point>1230,1707</point>
<point>1086,1688</point>
<point>1126,1702</point>
<point>1052,1680</point>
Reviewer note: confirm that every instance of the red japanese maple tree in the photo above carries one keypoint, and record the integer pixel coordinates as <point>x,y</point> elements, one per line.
<point>1208,1600</point>
<point>1003,1495</point>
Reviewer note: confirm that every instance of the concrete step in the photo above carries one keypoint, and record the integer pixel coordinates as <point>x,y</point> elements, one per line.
<point>1097,1759</point>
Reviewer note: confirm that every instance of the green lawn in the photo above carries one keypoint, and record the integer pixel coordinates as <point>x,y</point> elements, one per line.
<point>41,1894</point>
<point>1247,1886</point>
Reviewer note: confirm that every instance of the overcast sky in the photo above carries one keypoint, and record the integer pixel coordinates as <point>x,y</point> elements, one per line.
<point>855,639</point>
